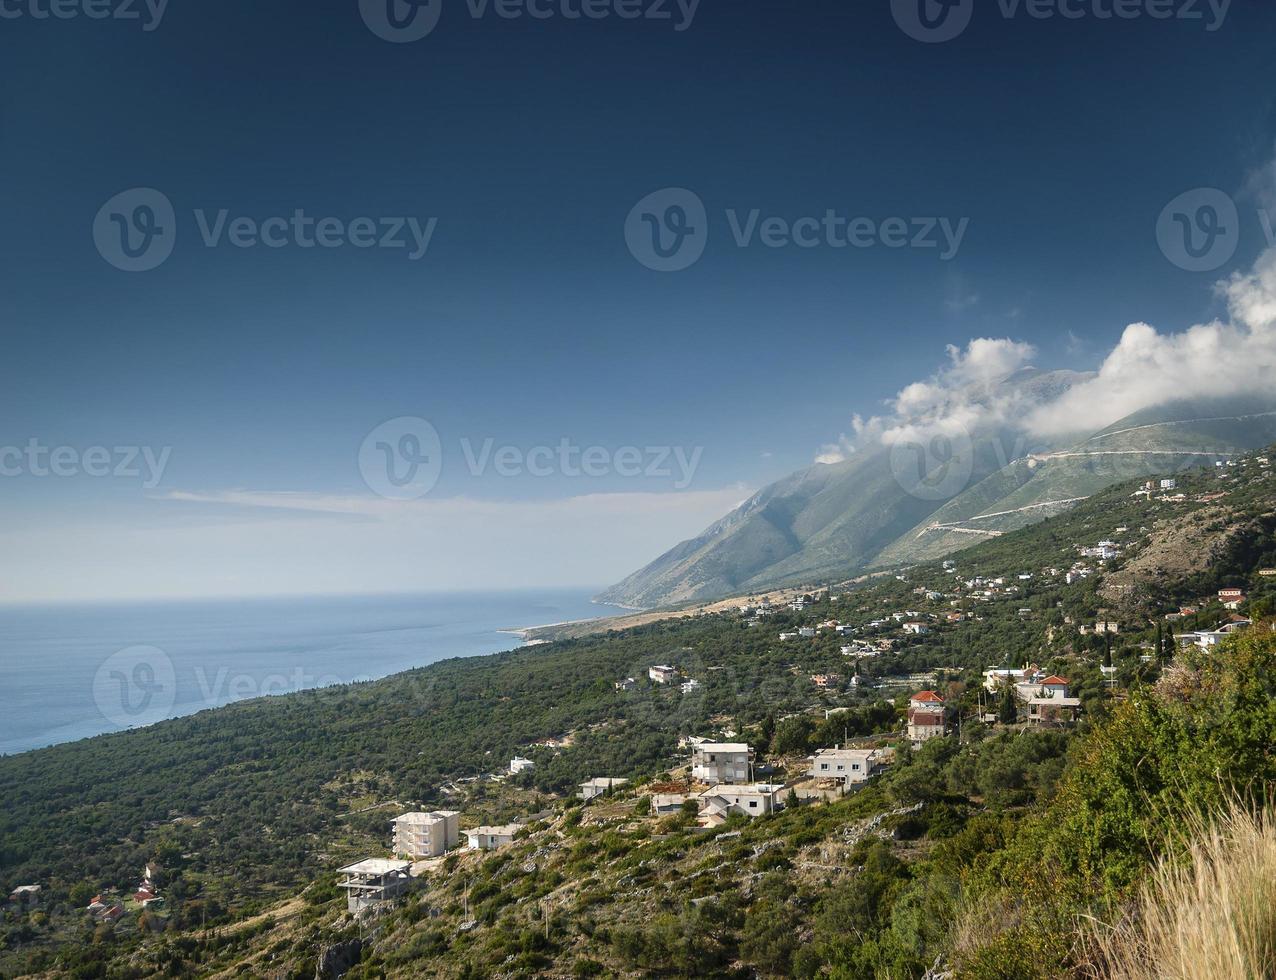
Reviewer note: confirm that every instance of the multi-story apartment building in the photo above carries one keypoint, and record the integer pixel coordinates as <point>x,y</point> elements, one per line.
<point>419,835</point>
<point>721,762</point>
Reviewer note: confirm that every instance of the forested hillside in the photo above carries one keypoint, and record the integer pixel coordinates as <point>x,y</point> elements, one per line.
<point>976,853</point>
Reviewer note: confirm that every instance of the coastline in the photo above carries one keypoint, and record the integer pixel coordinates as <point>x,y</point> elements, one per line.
<point>578,629</point>
<point>220,651</point>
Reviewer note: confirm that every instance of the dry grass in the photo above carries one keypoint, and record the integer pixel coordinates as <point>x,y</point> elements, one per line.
<point>1209,916</point>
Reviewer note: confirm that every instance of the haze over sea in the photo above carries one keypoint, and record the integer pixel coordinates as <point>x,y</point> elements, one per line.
<point>60,666</point>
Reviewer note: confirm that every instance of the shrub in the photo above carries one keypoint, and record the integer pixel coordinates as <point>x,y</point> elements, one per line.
<point>1210,916</point>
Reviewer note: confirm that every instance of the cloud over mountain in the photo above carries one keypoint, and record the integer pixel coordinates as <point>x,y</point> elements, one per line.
<point>1147,368</point>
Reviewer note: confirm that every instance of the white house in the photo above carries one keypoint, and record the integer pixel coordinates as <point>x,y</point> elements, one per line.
<point>519,764</point>
<point>806,631</point>
<point>1207,639</point>
<point>373,881</point>
<point>1051,704</point>
<point>598,786</point>
<point>29,894</point>
<point>917,629</point>
<point>663,674</point>
<point>487,838</point>
<point>752,800</point>
<point>666,803</point>
<point>721,762</point>
<point>997,677</point>
<point>627,684</point>
<point>851,766</point>
<point>419,835</point>
<point>1103,550</point>
<point>690,686</point>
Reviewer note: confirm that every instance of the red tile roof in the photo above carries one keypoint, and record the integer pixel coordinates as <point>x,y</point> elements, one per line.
<point>1055,679</point>
<point>927,696</point>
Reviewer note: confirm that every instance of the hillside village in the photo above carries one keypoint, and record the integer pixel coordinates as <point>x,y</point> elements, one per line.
<point>851,723</point>
<point>720,779</point>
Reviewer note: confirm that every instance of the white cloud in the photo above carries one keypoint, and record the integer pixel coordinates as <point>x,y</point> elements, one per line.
<point>962,396</point>
<point>1260,184</point>
<point>1147,368</point>
<point>1235,355</point>
<point>836,452</point>
<point>985,359</point>
<point>967,395</point>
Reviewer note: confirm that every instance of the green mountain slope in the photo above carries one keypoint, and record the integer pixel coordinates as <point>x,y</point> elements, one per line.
<point>834,521</point>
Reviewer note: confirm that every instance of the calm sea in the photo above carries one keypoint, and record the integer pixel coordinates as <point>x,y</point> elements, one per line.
<point>73,671</point>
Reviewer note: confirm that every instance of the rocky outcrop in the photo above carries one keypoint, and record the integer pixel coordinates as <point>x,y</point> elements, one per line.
<point>338,959</point>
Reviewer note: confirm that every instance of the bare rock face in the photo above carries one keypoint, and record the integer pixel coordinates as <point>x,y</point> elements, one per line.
<point>338,959</point>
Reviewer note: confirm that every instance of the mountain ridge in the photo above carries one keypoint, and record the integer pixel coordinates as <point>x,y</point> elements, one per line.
<point>836,520</point>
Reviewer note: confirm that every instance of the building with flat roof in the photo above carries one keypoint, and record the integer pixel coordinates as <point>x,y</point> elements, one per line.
<point>662,674</point>
<point>751,800</point>
<point>721,762</point>
<point>373,881</point>
<point>599,786</point>
<point>419,835</point>
<point>851,766</point>
<point>487,838</point>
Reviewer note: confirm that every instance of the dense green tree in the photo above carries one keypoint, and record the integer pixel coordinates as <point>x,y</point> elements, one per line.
<point>1008,708</point>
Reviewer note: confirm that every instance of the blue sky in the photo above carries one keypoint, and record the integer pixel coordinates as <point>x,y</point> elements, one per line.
<point>528,321</point>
